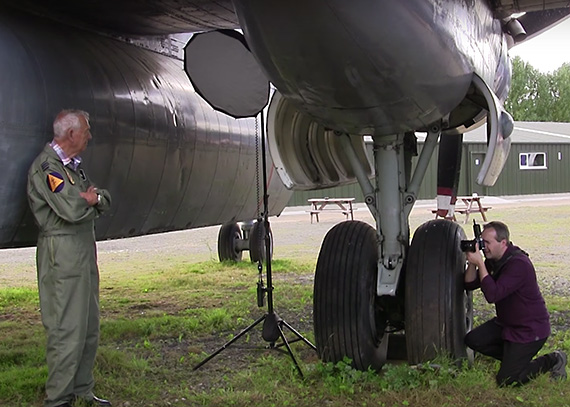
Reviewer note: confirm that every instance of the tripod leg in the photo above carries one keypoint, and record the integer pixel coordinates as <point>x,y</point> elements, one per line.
<point>301,337</point>
<point>289,349</point>
<point>202,363</point>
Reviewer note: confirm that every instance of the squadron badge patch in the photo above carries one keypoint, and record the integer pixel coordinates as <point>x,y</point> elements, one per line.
<point>55,181</point>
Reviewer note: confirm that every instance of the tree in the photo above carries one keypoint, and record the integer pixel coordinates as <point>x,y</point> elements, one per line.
<point>530,97</point>
<point>560,89</point>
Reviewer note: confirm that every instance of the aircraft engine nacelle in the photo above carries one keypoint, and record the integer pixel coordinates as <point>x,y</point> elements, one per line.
<point>305,153</point>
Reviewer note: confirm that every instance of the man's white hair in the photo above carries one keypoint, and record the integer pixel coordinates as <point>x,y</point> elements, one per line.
<point>67,119</point>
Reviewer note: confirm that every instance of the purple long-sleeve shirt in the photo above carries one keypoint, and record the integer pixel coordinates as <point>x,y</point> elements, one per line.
<point>520,307</point>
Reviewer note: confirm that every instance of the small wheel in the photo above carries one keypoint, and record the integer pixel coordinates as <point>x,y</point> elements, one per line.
<point>439,312</point>
<point>228,238</point>
<point>257,248</point>
<point>348,322</point>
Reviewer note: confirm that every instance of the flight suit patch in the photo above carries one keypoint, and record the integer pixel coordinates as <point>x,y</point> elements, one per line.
<point>45,166</point>
<point>55,181</point>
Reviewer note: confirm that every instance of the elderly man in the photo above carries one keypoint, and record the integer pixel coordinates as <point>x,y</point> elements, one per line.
<point>65,204</point>
<point>508,280</point>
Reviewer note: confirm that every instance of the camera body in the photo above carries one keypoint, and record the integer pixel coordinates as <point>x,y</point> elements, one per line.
<point>470,245</point>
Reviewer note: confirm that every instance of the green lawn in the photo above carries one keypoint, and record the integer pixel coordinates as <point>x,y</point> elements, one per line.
<point>161,317</point>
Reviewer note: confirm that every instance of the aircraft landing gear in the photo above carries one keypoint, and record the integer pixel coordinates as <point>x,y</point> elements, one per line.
<point>233,240</point>
<point>370,283</point>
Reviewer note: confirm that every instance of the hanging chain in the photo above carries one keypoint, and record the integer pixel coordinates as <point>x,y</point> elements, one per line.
<point>257,182</point>
<point>260,284</point>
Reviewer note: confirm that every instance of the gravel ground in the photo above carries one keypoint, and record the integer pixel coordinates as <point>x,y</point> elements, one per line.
<point>295,237</point>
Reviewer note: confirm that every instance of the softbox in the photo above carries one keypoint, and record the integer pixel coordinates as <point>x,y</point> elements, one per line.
<point>224,72</point>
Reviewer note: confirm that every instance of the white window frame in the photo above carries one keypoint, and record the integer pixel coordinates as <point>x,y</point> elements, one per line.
<point>531,158</point>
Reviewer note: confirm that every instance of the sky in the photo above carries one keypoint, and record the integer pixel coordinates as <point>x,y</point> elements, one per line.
<point>547,51</point>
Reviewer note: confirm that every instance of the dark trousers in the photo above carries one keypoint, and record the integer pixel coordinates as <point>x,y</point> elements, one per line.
<point>517,363</point>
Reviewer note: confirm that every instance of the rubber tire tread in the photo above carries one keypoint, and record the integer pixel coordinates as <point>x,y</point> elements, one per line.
<point>227,237</point>
<point>435,299</point>
<point>344,295</point>
<point>257,242</point>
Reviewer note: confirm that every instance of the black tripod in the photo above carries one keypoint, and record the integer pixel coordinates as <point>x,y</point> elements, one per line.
<point>272,323</point>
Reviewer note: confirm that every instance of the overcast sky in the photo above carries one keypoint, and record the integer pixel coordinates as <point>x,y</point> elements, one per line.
<point>547,51</point>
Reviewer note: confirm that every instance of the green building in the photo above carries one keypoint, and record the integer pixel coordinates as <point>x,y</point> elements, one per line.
<point>538,163</point>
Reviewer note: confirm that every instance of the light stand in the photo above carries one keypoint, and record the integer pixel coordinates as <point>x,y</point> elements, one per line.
<point>272,323</point>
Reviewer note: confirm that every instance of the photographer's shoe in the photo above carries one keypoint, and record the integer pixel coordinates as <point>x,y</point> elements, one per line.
<point>558,371</point>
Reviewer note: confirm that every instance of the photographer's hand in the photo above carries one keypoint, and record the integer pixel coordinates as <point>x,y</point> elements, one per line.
<point>475,259</point>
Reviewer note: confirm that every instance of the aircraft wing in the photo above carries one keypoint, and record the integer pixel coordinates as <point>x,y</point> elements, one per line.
<point>508,7</point>
<point>131,17</point>
<point>536,22</point>
<point>532,16</point>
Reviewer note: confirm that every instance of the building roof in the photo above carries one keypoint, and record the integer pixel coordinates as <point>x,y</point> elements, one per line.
<point>524,133</point>
<point>528,132</point>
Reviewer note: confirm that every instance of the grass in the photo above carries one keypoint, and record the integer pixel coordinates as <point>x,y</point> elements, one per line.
<point>162,316</point>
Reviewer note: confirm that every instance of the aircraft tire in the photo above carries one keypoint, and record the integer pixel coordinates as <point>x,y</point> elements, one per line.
<point>257,242</point>
<point>344,297</point>
<point>228,239</point>
<point>439,312</point>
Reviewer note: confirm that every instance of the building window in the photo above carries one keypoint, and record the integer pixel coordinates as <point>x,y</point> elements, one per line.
<point>532,161</point>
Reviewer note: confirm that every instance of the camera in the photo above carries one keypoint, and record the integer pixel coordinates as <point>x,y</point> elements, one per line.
<point>470,245</point>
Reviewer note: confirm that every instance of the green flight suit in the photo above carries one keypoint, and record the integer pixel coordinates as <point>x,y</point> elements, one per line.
<point>68,277</point>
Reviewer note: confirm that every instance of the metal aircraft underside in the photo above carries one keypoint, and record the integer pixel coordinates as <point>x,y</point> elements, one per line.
<point>132,17</point>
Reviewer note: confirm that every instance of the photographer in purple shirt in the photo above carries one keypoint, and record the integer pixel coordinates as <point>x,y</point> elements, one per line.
<point>521,327</point>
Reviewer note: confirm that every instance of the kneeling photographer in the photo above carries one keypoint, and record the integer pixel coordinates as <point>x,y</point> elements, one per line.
<point>507,279</point>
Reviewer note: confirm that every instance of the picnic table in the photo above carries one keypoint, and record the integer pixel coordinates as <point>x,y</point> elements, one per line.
<point>468,205</point>
<point>343,205</point>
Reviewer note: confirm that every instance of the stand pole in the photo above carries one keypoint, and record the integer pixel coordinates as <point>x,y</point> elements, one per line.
<point>266,219</point>
<point>272,323</point>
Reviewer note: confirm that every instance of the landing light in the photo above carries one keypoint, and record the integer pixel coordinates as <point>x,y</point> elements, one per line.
<point>515,29</point>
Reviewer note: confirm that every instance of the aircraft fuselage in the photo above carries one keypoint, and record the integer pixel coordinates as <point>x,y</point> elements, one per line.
<point>170,161</point>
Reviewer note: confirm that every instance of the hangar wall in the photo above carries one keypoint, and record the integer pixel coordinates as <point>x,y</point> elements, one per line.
<point>552,177</point>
